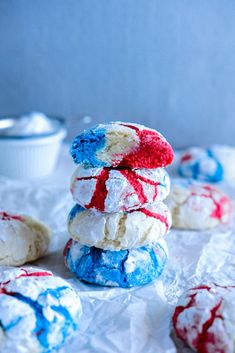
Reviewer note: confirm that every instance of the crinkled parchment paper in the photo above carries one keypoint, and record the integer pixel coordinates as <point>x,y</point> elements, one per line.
<point>117,320</point>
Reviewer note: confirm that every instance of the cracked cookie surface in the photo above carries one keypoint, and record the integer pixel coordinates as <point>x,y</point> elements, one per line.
<point>205,319</point>
<point>22,238</point>
<point>124,268</point>
<point>119,189</point>
<point>195,205</point>
<point>119,231</point>
<point>39,312</point>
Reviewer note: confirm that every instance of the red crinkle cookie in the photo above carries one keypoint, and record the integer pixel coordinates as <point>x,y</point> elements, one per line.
<point>205,319</point>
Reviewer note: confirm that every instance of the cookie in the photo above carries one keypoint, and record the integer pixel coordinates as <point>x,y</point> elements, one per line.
<point>121,144</point>
<point>39,312</point>
<point>124,268</point>
<point>115,190</point>
<point>212,165</point>
<point>198,206</point>
<point>118,231</point>
<point>22,238</point>
<point>205,319</point>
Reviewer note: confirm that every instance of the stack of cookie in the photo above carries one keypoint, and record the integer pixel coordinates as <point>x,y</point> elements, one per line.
<point>119,221</point>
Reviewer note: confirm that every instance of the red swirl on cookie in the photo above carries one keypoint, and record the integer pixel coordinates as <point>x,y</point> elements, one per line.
<point>204,319</point>
<point>4,216</point>
<point>153,150</point>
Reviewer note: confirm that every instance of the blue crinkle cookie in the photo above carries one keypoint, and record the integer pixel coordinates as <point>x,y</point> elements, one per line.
<point>201,164</point>
<point>124,268</point>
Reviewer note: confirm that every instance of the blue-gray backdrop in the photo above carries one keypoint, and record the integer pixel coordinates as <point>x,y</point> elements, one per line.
<point>167,63</point>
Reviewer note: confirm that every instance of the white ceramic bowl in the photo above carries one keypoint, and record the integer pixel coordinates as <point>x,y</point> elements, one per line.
<point>30,156</point>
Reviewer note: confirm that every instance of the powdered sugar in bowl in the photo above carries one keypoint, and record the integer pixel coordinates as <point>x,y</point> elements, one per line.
<point>30,144</point>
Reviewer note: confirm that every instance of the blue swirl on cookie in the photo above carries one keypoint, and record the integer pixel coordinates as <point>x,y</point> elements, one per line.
<point>85,146</point>
<point>38,311</point>
<point>203,165</point>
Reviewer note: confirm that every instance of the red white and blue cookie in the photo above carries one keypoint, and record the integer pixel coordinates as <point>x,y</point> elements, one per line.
<point>115,190</point>
<point>213,164</point>
<point>39,312</point>
<point>120,144</point>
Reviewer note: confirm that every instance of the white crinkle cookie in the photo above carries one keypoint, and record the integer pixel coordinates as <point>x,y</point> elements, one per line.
<point>198,206</point>
<point>22,239</point>
<point>122,230</point>
<point>39,312</point>
<point>205,319</point>
<point>115,190</point>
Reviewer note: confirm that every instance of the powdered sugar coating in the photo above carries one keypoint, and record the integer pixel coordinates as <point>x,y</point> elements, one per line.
<point>198,206</point>
<point>38,311</point>
<point>115,190</point>
<point>122,230</point>
<point>121,144</point>
<point>205,319</point>
<point>124,268</point>
<point>22,239</point>
<point>212,165</point>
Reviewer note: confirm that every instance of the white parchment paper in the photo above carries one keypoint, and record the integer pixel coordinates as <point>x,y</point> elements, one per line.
<point>119,320</point>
